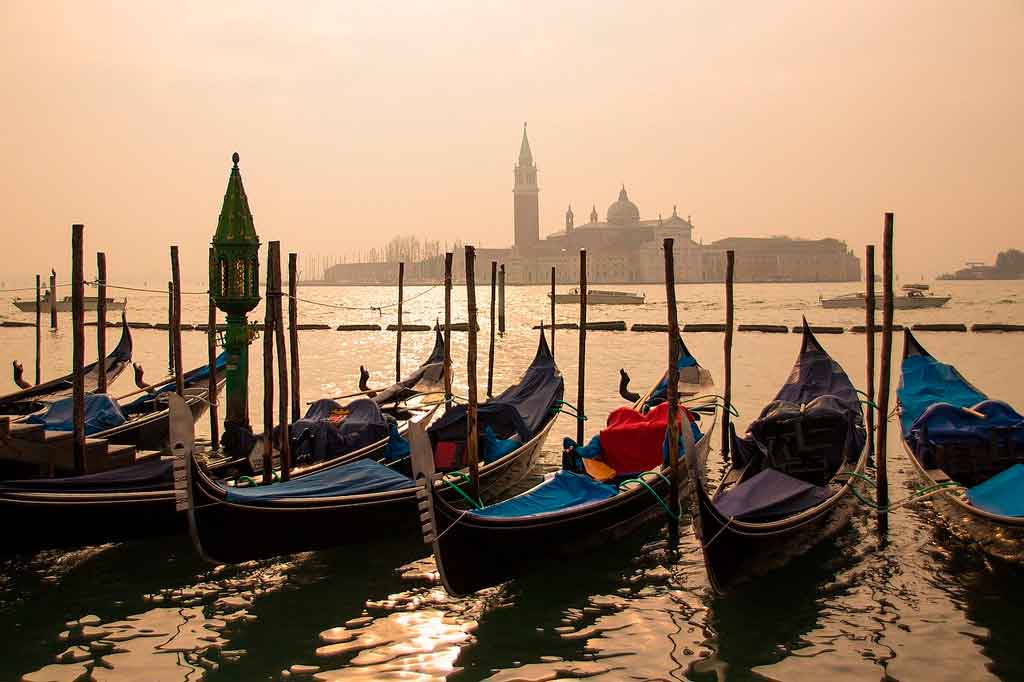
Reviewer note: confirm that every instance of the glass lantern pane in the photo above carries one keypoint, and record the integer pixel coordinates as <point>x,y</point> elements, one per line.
<point>238,278</point>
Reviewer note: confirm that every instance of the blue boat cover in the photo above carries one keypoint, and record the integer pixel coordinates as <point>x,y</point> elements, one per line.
<point>494,448</point>
<point>947,423</point>
<point>101,413</point>
<point>323,432</point>
<point>817,390</point>
<point>520,409</point>
<point>397,447</point>
<point>198,376</point>
<point>769,494</point>
<point>925,381</point>
<point>153,474</point>
<point>660,392</point>
<point>356,478</point>
<point>562,491</point>
<point>1002,494</point>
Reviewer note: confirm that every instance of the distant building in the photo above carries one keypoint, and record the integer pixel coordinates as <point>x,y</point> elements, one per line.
<point>624,248</point>
<point>1009,265</point>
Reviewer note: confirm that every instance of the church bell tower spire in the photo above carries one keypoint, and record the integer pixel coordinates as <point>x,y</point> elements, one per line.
<point>526,206</point>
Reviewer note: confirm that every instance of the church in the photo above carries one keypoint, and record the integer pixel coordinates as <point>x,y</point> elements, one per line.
<point>621,249</point>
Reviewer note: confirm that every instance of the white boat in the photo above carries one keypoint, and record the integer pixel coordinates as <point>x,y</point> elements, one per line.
<point>601,297</point>
<point>64,305</point>
<point>913,298</point>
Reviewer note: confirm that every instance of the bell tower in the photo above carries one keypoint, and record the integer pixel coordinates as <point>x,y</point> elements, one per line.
<point>526,203</point>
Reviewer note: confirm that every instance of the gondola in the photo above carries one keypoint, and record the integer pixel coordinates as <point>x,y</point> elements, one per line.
<point>127,501</point>
<point>37,397</point>
<point>570,511</point>
<point>367,500</point>
<point>966,449</point>
<point>788,484</point>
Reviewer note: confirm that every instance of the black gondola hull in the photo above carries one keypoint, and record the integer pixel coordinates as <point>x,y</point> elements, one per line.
<point>319,523</point>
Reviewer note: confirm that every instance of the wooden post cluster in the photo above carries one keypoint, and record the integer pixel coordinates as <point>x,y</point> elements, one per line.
<point>447,329</point>
<point>472,439</point>
<point>581,392</point>
<point>77,345</point>
<point>211,355</point>
<point>501,299</point>
<point>881,473</point>
<point>101,320</point>
<point>490,353</point>
<point>869,328</point>
<point>398,336</point>
<point>39,333</point>
<point>552,311</point>
<point>672,393</point>
<point>175,332</point>
<point>730,265</point>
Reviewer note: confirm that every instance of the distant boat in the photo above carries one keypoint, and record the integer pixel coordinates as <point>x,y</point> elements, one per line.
<point>913,298</point>
<point>601,297</point>
<point>64,305</point>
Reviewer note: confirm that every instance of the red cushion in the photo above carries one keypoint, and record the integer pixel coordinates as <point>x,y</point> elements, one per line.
<point>633,442</point>
<point>446,454</point>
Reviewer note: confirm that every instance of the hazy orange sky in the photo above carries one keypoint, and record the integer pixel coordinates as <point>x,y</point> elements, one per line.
<point>359,121</point>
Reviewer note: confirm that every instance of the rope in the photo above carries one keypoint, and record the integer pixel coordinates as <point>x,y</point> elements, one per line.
<point>474,503</point>
<point>639,479</point>
<point>96,283</point>
<point>722,402</point>
<point>41,288</point>
<point>378,308</point>
<point>917,495</point>
<point>574,413</point>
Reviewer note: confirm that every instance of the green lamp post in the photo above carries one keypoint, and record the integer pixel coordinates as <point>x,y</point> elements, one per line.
<point>234,285</point>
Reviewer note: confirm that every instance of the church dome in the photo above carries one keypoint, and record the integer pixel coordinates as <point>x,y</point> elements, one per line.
<point>623,211</point>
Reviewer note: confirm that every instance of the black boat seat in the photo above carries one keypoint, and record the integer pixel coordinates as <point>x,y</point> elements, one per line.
<point>801,448</point>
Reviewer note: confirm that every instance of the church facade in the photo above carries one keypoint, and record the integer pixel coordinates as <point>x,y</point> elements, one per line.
<point>625,248</point>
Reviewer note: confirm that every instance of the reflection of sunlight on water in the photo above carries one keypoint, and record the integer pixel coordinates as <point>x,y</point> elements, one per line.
<point>178,640</point>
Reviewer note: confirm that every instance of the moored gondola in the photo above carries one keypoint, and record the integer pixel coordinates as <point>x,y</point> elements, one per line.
<point>788,486</point>
<point>966,449</point>
<point>598,497</point>
<point>367,500</point>
<point>38,397</point>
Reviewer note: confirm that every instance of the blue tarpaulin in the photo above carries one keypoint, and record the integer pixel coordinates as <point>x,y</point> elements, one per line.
<point>153,474</point>
<point>493,448</point>
<point>562,491</point>
<point>1002,494</point>
<point>926,381</point>
<point>397,447</point>
<point>947,423</point>
<point>769,494</point>
<point>361,477</point>
<point>316,437</point>
<point>519,410</point>
<point>101,413</point>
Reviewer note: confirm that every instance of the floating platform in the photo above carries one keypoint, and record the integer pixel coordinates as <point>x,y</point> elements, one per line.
<point>412,327</point>
<point>765,328</point>
<point>820,330</point>
<point>862,329</point>
<point>997,327</point>
<point>955,327</point>
<point>358,328</point>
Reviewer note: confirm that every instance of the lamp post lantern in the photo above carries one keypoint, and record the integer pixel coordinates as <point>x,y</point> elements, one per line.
<point>234,285</point>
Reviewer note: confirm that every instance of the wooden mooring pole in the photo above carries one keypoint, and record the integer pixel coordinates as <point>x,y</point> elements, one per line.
<point>672,395</point>
<point>501,299</point>
<point>282,363</point>
<point>490,351</point>
<point>293,331</point>
<point>398,336</point>
<point>472,439</point>
<point>53,299</point>
<point>39,331</point>
<point>881,473</point>
<point>730,266</point>
<point>268,375</point>
<point>448,330</point>
<point>77,346</point>
<point>869,329</point>
<point>582,376</point>
<point>170,323</point>
<point>552,311</point>
<point>211,358</point>
<point>175,332</point>
<point>101,320</point>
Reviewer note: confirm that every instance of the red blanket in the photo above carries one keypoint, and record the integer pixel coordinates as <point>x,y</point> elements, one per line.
<point>633,442</point>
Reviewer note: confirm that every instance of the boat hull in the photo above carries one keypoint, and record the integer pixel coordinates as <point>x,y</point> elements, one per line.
<point>300,525</point>
<point>898,302</point>
<point>474,552</point>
